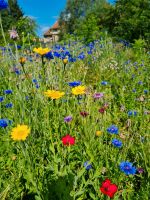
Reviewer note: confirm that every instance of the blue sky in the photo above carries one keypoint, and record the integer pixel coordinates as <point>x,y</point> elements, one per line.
<point>45,12</point>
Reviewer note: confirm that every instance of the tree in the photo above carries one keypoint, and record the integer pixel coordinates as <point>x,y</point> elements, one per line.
<point>131,19</point>
<point>13,18</point>
<point>11,15</point>
<point>81,16</point>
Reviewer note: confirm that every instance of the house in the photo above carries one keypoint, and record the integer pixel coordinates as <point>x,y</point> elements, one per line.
<point>52,35</point>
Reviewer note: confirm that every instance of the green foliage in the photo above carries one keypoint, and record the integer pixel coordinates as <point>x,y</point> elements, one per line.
<point>13,18</point>
<point>88,28</point>
<point>41,167</point>
<point>131,19</point>
<point>11,15</point>
<point>125,19</point>
<point>81,16</point>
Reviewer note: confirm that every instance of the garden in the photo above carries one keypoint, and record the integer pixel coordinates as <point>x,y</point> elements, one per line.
<point>74,119</point>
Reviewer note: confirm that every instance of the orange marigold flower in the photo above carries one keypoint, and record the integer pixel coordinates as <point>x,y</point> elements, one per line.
<point>22,60</point>
<point>78,90</point>
<point>20,132</point>
<point>53,94</point>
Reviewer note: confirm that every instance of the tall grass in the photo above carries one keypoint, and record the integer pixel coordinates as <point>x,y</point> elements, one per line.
<point>41,167</point>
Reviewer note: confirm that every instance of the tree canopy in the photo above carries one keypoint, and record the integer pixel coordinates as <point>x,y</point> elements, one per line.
<point>125,19</point>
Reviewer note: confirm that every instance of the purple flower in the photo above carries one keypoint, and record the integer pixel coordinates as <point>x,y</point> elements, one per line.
<point>127,168</point>
<point>13,34</point>
<point>98,95</point>
<point>140,170</point>
<point>67,119</point>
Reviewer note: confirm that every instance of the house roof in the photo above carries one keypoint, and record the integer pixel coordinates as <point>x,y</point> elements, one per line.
<point>55,26</point>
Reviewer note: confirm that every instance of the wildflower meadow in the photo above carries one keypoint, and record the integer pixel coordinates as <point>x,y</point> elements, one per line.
<point>74,121</point>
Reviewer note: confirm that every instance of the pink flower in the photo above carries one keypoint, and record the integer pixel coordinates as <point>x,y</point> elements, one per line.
<point>13,34</point>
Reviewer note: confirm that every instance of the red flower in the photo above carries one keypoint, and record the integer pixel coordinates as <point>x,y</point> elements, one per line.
<point>102,110</point>
<point>84,114</point>
<point>108,188</point>
<point>68,140</point>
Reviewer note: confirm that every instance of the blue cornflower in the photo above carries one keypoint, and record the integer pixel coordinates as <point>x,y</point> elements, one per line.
<point>74,83</point>
<point>117,143</point>
<point>34,80</point>
<point>72,59</point>
<point>67,53</point>
<point>112,129</point>
<point>145,91</point>
<point>8,92</point>
<point>140,83</point>
<point>56,54</point>
<point>49,55</point>
<point>89,52</point>
<point>27,98</point>
<point>132,113</point>
<point>18,47</point>
<point>134,90</point>
<point>5,122</point>
<point>104,83</point>
<point>87,165</point>
<point>127,168</point>
<point>81,56</point>
<point>9,105</point>
<point>1,98</point>
<point>3,5</point>
<point>37,86</point>
<point>17,71</point>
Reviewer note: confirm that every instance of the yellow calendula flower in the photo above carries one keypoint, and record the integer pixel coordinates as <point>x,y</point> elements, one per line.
<point>98,133</point>
<point>20,132</point>
<point>65,61</point>
<point>41,51</point>
<point>22,60</point>
<point>78,90</point>
<point>53,94</point>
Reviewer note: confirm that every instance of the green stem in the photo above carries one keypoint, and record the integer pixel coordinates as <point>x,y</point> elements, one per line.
<point>2,30</point>
<point>17,57</point>
<point>3,34</point>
